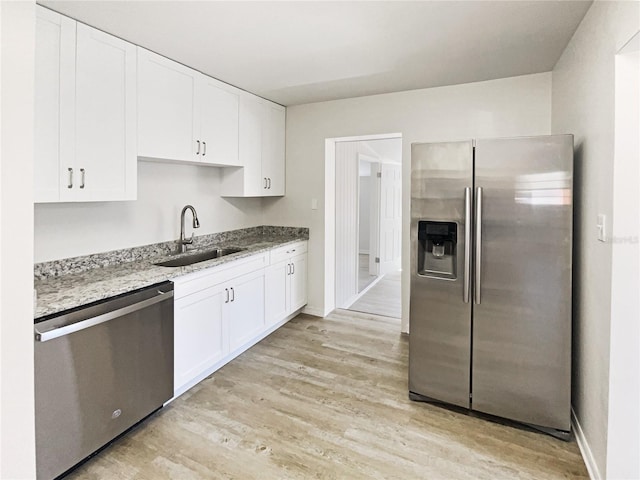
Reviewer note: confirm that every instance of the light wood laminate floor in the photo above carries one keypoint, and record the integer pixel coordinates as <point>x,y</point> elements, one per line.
<point>325,399</point>
<point>384,298</point>
<point>364,277</point>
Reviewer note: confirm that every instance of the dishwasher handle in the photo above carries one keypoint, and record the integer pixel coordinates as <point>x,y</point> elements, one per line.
<point>105,317</point>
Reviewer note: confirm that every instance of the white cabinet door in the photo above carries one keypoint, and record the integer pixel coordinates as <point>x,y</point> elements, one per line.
<point>55,51</point>
<point>298,279</point>
<point>166,109</point>
<point>251,145</point>
<point>244,312</point>
<point>200,338</point>
<point>261,151</point>
<point>276,295</point>
<point>219,110</point>
<point>273,145</point>
<point>105,117</point>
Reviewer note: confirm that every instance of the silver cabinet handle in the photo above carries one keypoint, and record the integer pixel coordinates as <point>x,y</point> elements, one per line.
<point>226,290</point>
<point>265,182</point>
<point>82,175</point>
<point>233,294</point>
<point>478,226</point>
<point>204,148</point>
<point>293,269</point>
<point>467,245</point>
<point>70,182</point>
<point>268,183</point>
<point>198,142</point>
<point>105,317</point>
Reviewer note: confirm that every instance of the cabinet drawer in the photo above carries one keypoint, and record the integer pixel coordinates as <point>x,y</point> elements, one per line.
<point>194,282</point>
<point>288,251</point>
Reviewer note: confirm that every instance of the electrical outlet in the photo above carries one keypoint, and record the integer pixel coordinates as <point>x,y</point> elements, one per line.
<point>602,227</point>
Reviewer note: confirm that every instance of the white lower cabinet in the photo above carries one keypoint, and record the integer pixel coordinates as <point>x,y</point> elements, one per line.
<point>298,282</point>
<point>222,311</point>
<point>276,296</point>
<point>244,312</point>
<point>285,288</point>
<point>200,340</point>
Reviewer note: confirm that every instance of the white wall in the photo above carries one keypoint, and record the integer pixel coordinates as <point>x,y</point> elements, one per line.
<point>17,437</point>
<point>623,446</point>
<point>505,107</point>
<point>583,104</point>
<point>71,229</point>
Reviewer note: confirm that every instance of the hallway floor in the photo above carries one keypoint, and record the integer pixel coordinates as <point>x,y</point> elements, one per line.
<point>384,298</point>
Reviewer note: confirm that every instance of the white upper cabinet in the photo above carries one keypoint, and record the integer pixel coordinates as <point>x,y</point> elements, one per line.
<point>105,117</point>
<point>262,151</point>
<point>85,115</point>
<point>166,103</point>
<point>184,115</point>
<point>218,105</point>
<point>101,103</point>
<point>273,140</point>
<point>54,101</point>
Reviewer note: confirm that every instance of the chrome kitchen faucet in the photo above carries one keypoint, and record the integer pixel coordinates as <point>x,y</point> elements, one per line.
<point>196,224</point>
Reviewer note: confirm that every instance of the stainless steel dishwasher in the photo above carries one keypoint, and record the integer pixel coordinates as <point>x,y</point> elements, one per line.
<point>98,371</point>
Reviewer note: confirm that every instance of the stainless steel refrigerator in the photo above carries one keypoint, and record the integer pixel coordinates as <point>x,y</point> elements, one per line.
<point>490,314</point>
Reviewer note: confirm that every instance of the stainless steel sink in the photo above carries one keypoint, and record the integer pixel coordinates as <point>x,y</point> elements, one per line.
<point>198,257</point>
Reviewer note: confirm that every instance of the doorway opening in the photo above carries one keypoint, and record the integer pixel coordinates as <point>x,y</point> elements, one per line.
<point>368,176</point>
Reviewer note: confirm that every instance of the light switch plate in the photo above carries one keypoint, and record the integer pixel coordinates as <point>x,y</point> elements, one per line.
<point>314,204</point>
<point>602,227</point>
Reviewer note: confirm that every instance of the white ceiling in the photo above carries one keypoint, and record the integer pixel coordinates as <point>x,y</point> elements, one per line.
<point>301,52</point>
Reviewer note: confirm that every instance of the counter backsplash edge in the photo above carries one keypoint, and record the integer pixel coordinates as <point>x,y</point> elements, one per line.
<point>80,264</point>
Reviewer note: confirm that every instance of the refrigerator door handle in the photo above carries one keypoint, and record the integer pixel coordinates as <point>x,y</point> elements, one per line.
<point>467,245</point>
<point>478,255</point>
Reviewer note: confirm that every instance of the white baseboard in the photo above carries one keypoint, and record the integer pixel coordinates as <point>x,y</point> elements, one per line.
<point>315,311</point>
<point>585,450</point>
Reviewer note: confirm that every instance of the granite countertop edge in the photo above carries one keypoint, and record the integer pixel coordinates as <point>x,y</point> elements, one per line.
<point>67,292</point>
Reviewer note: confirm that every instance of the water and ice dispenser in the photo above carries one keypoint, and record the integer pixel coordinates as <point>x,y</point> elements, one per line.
<point>437,247</point>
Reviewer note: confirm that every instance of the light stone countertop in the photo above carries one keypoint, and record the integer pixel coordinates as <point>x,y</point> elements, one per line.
<point>58,293</point>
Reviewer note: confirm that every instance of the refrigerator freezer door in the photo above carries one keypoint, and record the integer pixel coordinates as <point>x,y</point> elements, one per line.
<point>440,320</point>
<point>521,360</point>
